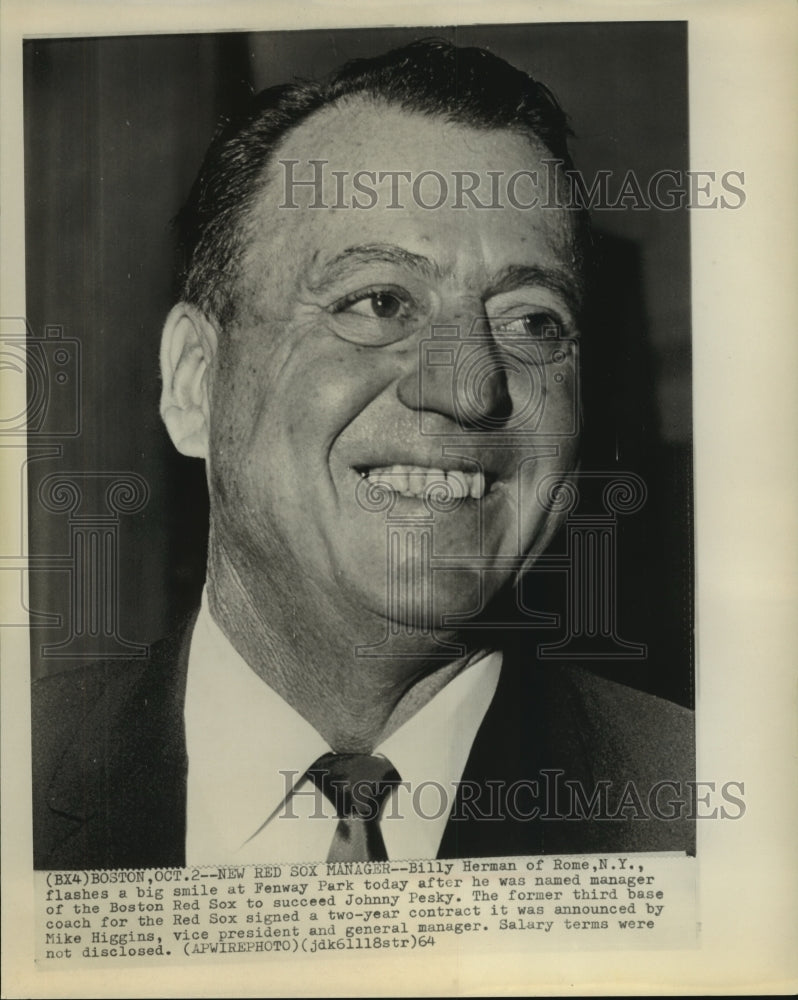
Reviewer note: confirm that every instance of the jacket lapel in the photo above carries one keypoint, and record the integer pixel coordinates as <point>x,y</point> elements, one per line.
<point>118,796</point>
<point>529,736</point>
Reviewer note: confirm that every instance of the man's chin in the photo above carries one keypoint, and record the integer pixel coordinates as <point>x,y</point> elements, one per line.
<point>418,601</point>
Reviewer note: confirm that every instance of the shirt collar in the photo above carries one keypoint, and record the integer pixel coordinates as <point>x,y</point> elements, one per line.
<point>247,747</point>
<point>430,752</point>
<point>240,736</point>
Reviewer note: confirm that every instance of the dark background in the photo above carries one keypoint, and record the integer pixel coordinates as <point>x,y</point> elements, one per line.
<point>115,129</point>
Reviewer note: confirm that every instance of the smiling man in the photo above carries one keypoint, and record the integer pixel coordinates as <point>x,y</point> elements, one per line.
<point>376,354</point>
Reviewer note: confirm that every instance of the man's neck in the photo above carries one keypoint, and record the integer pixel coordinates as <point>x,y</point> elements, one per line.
<point>311,659</point>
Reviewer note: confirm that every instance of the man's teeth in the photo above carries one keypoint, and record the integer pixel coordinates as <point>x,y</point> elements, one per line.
<point>415,481</point>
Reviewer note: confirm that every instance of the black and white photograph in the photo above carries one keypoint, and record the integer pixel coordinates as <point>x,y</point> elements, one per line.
<point>393,323</point>
<point>359,565</point>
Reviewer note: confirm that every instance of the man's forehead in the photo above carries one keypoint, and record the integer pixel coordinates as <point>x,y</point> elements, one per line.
<point>364,174</point>
<point>365,133</point>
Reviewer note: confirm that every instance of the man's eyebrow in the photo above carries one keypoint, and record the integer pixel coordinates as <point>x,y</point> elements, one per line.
<point>562,282</point>
<point>326,273</point>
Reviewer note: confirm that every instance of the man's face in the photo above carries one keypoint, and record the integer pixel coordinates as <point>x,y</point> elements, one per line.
<point>338,418</point>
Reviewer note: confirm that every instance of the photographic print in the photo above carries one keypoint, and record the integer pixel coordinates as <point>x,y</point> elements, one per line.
<point>360,549</point>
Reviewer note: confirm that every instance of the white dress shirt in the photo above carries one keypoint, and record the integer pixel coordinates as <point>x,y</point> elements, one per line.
<point>248,750</point>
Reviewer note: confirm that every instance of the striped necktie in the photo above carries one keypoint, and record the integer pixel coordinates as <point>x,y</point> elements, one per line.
<point>357,784</point>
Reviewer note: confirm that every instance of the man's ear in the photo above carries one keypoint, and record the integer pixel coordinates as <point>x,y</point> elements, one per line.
<point>188,347</point>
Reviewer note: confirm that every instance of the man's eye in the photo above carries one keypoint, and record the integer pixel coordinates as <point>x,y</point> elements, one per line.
<point>537,325</point>
<point>376,315</point>
<point>374,304</point>
<point>543,326</point>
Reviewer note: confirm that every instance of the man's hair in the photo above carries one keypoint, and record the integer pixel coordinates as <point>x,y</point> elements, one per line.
<point>466,86</point>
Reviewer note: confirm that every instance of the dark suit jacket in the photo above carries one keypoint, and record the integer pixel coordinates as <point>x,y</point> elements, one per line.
<point>110,766</point>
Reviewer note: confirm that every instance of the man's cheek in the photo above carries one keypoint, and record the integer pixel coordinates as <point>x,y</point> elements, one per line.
<point>330,381</point>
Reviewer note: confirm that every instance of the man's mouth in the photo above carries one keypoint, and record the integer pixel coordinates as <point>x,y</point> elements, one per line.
<point>416,480</point>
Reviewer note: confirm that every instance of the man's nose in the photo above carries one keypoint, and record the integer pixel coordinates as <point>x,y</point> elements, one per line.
<point>460,377</point>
